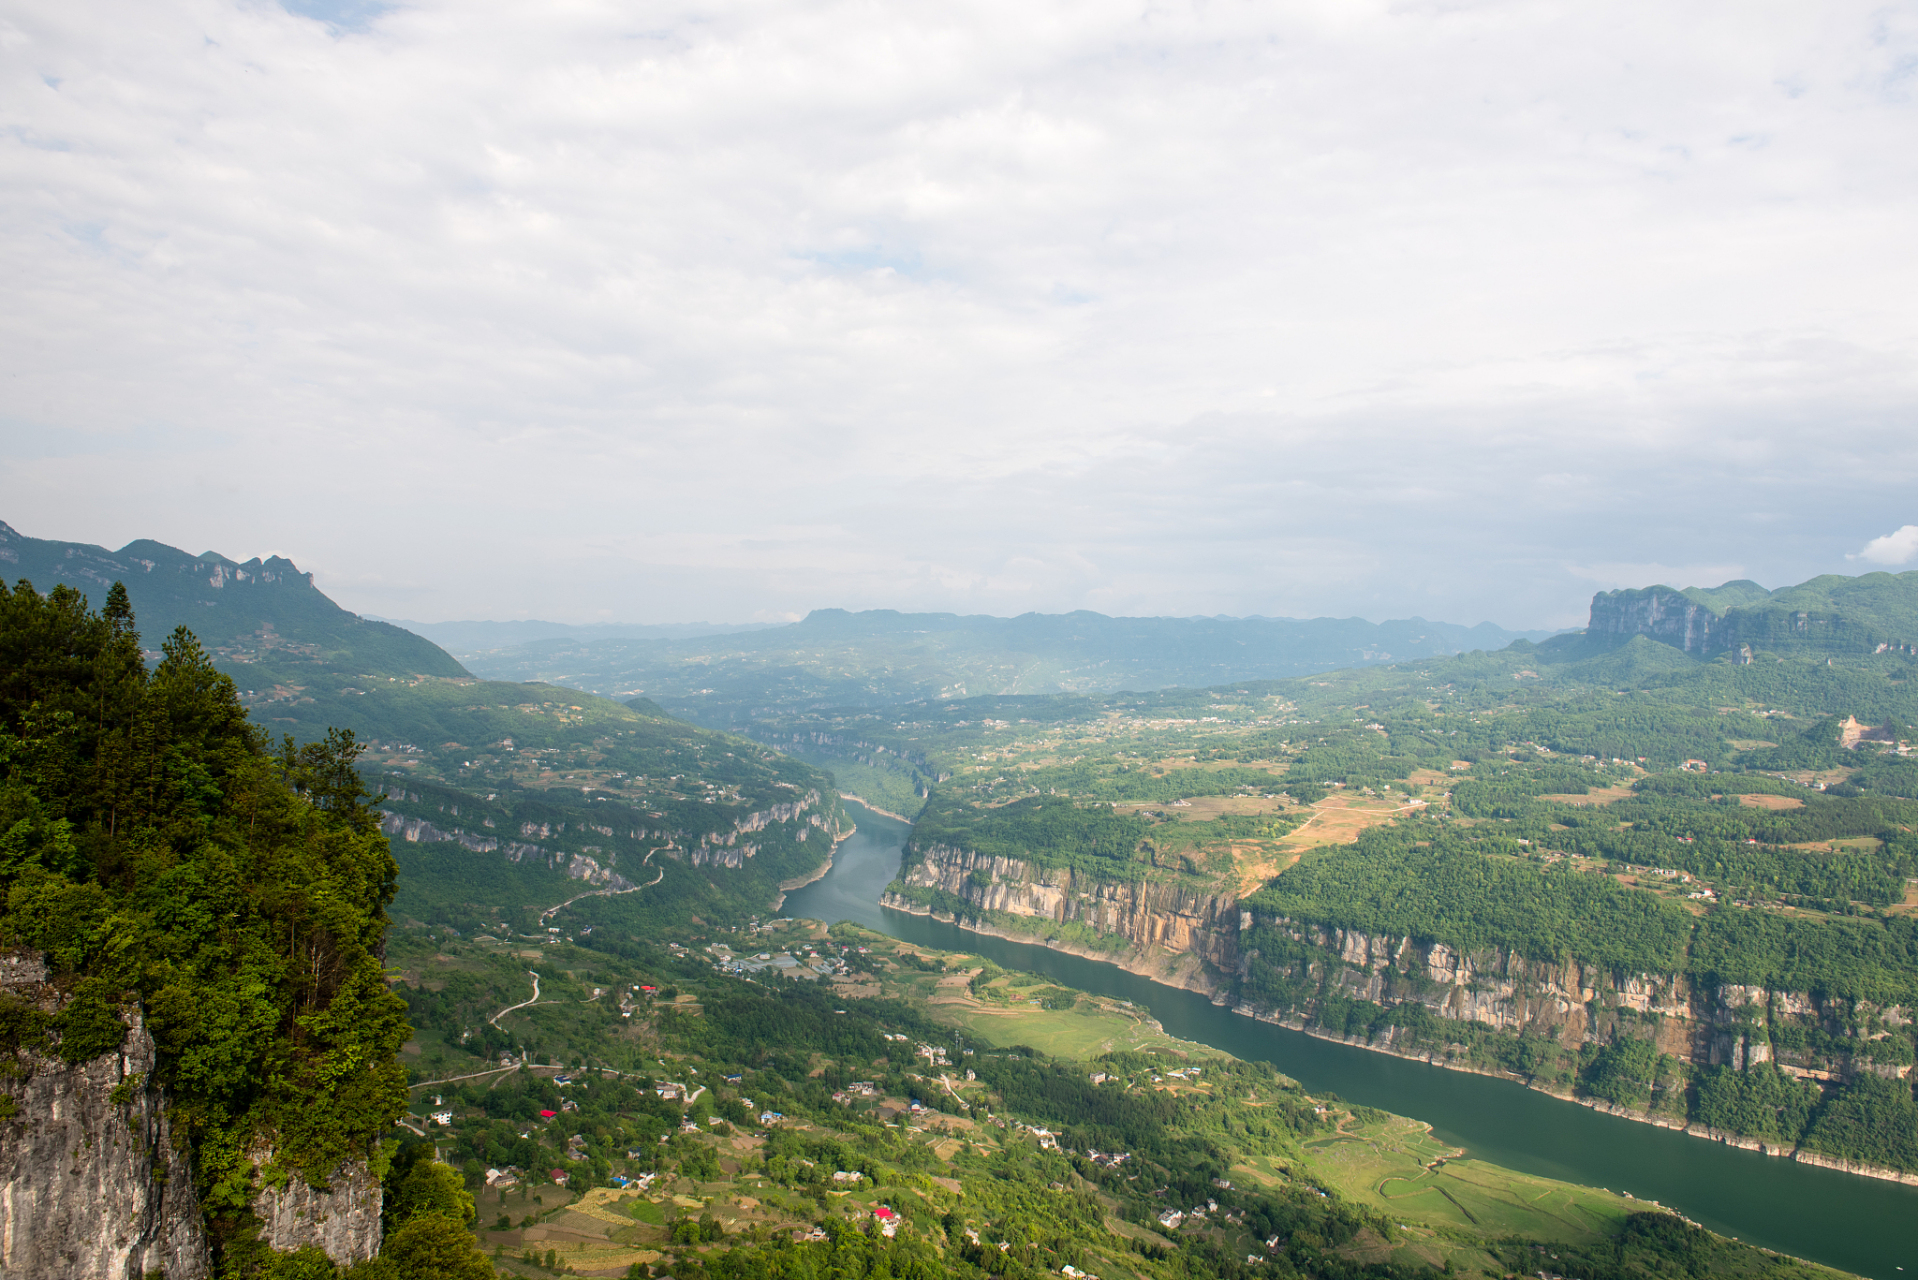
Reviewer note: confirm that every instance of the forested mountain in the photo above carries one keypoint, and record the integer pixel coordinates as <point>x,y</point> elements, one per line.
<point>264,614</point>
<point>1829,616</point>
<point>836,658</point>
<point>500,798</point>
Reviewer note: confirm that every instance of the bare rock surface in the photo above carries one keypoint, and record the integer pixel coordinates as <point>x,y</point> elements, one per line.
<point>91,1183</point>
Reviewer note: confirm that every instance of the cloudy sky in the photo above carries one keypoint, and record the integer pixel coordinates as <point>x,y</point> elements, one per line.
<point>733,309</point>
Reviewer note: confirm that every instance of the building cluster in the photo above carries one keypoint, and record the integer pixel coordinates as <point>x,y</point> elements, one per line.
<point>857,1089</point>
<point>1047,1138</point>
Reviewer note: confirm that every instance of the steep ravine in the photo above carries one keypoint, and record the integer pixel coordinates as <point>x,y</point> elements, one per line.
<point>1184,936</point>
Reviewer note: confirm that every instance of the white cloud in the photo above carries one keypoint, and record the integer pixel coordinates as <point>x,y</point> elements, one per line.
<point>1897,547</point>
<point>484,308</point>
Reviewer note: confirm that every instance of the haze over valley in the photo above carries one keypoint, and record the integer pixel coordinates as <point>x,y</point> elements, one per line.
<point>816,641</point>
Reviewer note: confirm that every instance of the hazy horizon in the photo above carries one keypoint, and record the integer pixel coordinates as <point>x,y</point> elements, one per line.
<point>1461,311</point>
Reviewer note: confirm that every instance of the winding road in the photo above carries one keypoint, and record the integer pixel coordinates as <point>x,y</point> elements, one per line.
<point>494,1020</point>
<point>659,873</point>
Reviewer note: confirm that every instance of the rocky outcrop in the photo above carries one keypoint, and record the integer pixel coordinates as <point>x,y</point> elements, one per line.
<point>95,1185</point>
<point>1674,618</point>
<point>1499,990</point>
<point>578,866</point>
<point>419,830</point>
<point>1152,916</point>
<point>726,849</point>
<point>1576,1004</point>
<point>1659,613</point>
<point>1572,1004</point>
<point>92,1183</point>
<point>343,1217</point>
<point>1823,1161</point>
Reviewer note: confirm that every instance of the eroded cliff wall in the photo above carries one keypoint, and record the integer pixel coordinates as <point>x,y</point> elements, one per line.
<point>92,1184</point>
<point>1659,613</point>
<point>342,1218</point>
<point>1145,919</point>
<point>95,1185</point>
<point>1342,980</point>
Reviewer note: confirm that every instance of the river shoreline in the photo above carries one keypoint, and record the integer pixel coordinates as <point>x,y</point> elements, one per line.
<point>787,886</point>
<point>1191,978</point>
<point>865,803</point>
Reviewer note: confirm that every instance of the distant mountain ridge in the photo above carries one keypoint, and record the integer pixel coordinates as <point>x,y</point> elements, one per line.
<point>881,656</point>
<point>499,635</point>
<point>1831,614</point>
<point>257,611</point>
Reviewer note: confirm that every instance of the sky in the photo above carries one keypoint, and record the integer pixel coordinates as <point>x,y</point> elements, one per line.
<point>734,309</point>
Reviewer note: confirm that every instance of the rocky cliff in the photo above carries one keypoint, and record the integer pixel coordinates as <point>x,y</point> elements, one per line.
<point>1145,920</point>
<point>578,866</point>
<point>91,1181</point>
<point>1294,971</point>
<point>343,1217</point>
<point>94,1184</point>
<point>1659,613</point>
<point>1705,629</point>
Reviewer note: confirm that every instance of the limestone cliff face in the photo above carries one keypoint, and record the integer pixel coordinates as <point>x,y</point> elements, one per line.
<point>92,1184</point>
<point>1154,916</point>
<point>343,1218</point>
<point>1673,618</point>
<point>579,866</point>
<point>1576,1004</point>
<point>1659,613</point>
<point>595,864</point>
<point>1572,1003</point>
<point>1496,989</point>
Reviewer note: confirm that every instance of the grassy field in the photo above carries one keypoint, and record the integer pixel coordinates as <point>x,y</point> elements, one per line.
<point>1396,1165</point>
<point>1011,1013</point>
<point>1093,1027</point>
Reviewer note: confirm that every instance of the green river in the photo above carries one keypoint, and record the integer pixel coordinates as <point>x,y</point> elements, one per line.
<point>1861,1225</point>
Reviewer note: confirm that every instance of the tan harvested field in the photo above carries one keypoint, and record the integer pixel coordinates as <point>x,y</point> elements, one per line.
<point>1771,802</point>
<point>1204,808</point>
<point>1254,865</point>
<point>1338,820</point>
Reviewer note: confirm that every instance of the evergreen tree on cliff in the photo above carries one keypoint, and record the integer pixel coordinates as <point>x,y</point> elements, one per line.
<point>162,856</point>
